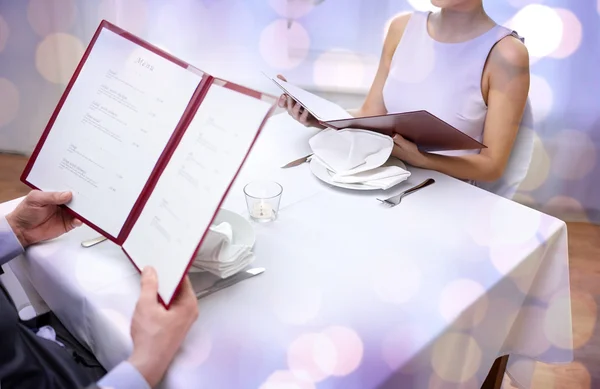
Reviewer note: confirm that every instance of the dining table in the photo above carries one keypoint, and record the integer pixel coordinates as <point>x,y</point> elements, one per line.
<point>429,294</point>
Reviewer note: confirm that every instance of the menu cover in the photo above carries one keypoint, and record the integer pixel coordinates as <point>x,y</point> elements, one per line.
<point>149,146</point>
<point>426,130</point>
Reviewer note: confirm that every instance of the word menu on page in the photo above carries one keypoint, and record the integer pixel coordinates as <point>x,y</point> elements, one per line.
<point>149,147</point>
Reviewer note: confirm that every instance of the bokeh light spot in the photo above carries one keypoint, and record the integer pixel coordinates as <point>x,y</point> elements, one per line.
<point>573,154</point>
<point>282,47</point>
<point>524,199</point>
<point>571,375</point>
<point>435,382</point>
<point>504,228</point>
<point>312,357</point>
<point>465,299</point>
<point>585,309</point>
<point>285,379</point>
<point>456,357</point>
<point>401,347</point>
<point>130,15</point>
<point>523,3</point>
<point>397,282</point>
<point>542,28</point>
<point>572,34</point>
<point>297,305</point>
<point>423,5</point>
<point>530,320</point>
<point>291,9</point>
<point>557,323</point>
<point>51,16</point>
<point>567,207</point>
<point>339,69</point>
<point>196,349</point>
<point>539,168</point>
<point>57,57</point>
<point>10,101</point>
<point>541,96</point>
<point>4,33</point>
<point>349,349</point>
<point>116,320</point>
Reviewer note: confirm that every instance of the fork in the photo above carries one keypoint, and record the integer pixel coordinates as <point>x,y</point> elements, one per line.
<point>395,200</point>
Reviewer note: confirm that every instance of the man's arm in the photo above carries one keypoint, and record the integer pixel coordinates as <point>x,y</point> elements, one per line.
<point>157,333</point>
<point>124,376</point>
<point>10,246</point>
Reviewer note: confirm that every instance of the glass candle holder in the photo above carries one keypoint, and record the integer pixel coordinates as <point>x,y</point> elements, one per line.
<point>262,200</point>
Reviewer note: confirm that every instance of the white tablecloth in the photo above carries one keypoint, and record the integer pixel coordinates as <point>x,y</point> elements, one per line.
<point>356,295</point>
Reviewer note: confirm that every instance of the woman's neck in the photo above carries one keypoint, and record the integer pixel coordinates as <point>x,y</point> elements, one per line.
<point>458,23</point>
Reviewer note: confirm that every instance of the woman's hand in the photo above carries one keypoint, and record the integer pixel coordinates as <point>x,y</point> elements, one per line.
<point>296,110</point>
<point>408,152</point>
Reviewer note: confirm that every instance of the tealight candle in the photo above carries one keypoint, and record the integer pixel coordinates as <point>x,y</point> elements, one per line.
<point>262,199</point>
<point>262,210</point>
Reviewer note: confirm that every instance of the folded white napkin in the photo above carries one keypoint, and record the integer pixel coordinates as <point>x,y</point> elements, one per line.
<point>351,151</point>
<point>383,177</point>
<point>358,157</point>
<point>219,255</point>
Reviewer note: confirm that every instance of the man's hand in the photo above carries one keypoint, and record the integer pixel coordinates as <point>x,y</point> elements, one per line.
<point>156,332</point>
<point>39,217</point>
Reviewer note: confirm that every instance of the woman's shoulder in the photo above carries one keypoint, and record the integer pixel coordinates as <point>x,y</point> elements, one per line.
<point>510,52</point>
<point>399,22</point>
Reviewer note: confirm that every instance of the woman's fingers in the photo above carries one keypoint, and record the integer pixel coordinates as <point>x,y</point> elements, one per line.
<point>282,101</point>
<point>296,111</point>
<point>304,117</point>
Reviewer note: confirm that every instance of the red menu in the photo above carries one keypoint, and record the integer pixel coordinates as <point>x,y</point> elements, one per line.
<point>149,146</point>
<point>426,130</point>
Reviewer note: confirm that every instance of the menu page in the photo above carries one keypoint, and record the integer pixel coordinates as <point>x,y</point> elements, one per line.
<point>322,109</point>
<point>190,189</point>
<point>113,127</point>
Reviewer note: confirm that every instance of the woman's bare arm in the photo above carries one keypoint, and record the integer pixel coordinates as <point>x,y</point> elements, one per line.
<point>373,104</point>
<point>507,95</point>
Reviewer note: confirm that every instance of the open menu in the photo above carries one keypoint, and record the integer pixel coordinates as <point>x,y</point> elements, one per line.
<point>149,146</point>
<point>426,130</point>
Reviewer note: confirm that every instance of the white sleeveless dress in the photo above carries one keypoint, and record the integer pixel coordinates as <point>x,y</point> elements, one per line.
<point>445,79</point>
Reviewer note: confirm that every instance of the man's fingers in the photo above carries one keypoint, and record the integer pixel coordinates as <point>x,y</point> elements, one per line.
<point>49,198</point>
<point>149,285</point>
<point>70,222</point>
<point>281,77</point>
<point>185,300</point>
<point>185,291</point>
<point>74,223</point>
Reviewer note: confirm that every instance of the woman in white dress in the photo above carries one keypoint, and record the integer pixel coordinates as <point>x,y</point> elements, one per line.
<point>459,65</point>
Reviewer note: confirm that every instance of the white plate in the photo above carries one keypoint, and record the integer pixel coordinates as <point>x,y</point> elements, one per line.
<point>323,174</point>
<point>243,232</point>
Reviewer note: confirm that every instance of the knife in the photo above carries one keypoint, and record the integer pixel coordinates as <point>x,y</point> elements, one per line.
<point>297,162</point>
<point>229,281</point>
<point>93,242</point>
